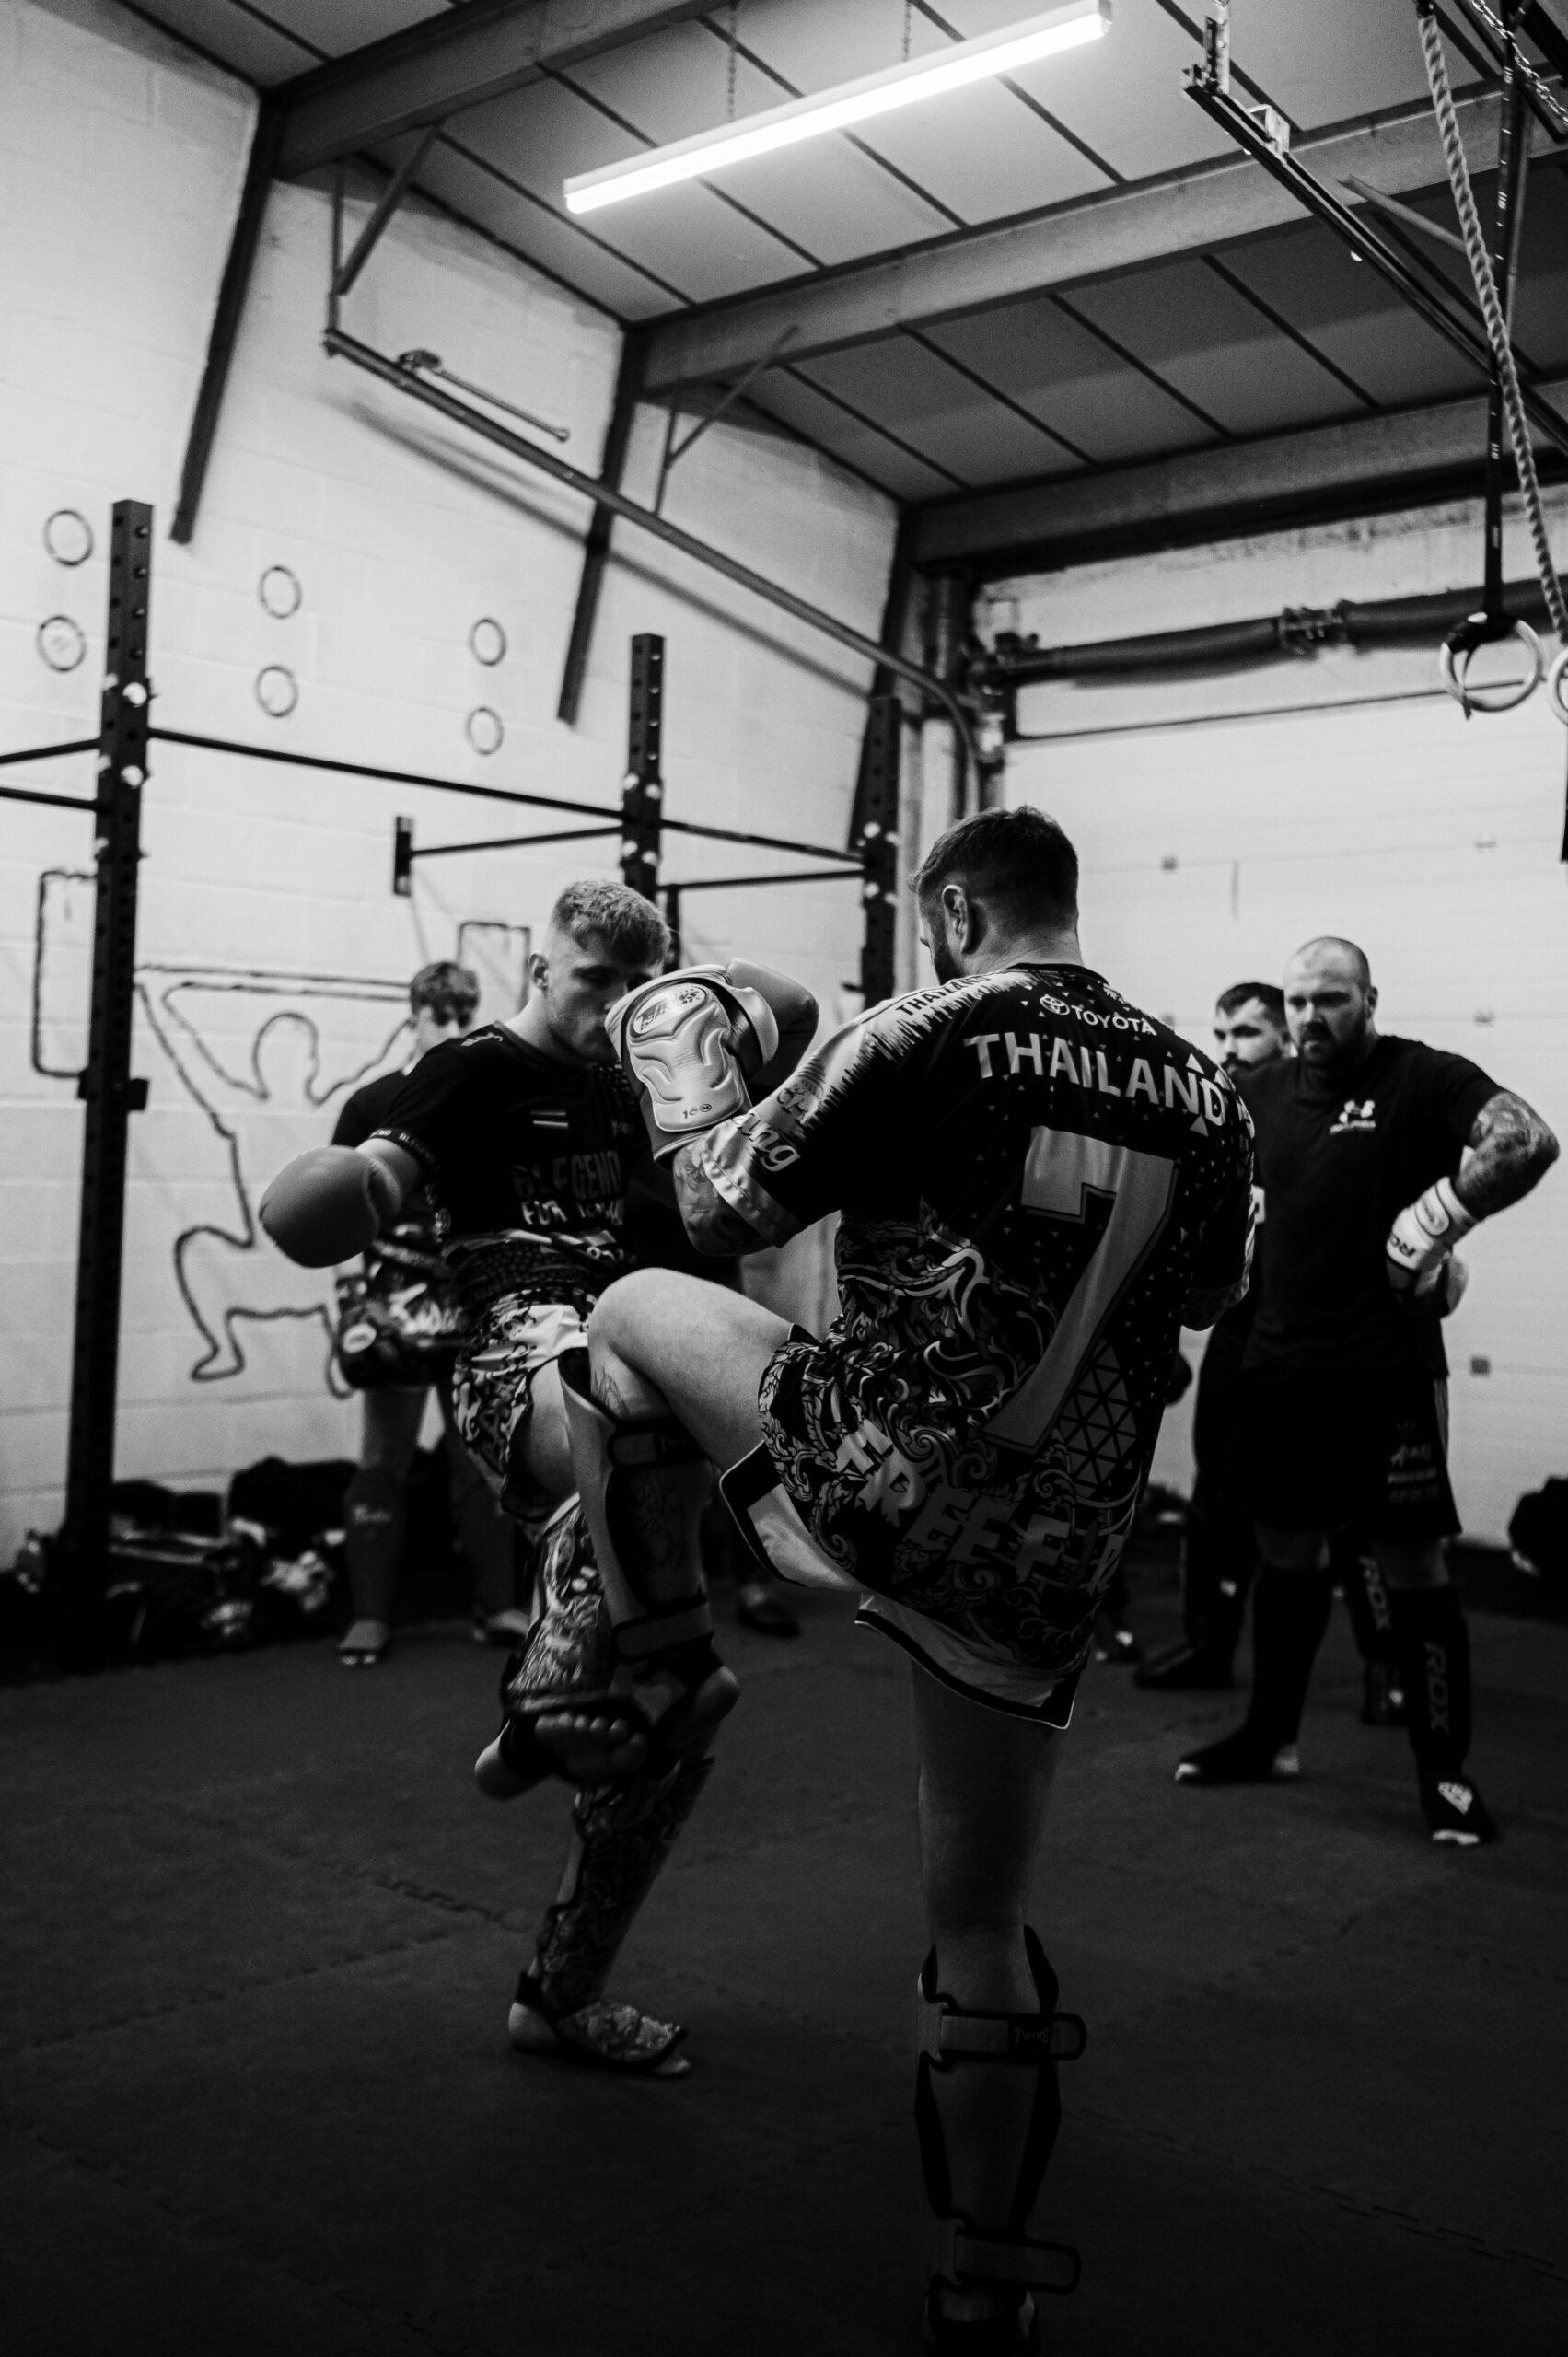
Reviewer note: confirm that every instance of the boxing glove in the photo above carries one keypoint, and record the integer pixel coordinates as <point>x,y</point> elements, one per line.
<point>326,1205</point>
<point>698,1045</point>
<point>1425,1234</point>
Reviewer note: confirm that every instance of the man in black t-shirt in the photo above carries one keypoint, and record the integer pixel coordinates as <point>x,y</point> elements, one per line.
<point>1037,1183</point>
<point>1375,1156</point>
<point>1251,1030</point>
<point>525,1139</point>
<point>398,1332</point>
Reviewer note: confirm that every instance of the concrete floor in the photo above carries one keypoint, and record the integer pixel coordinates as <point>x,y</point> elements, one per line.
<point>257,2099</point>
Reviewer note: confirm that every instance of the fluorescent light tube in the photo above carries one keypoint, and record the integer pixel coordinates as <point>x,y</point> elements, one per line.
<point>1068,26</point>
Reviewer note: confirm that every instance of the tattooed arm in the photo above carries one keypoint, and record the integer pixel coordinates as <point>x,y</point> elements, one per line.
<point>712,1226</point>
<point>1510,1150</point>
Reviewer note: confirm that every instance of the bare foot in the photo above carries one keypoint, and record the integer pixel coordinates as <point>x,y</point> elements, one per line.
<point>592,1749</point>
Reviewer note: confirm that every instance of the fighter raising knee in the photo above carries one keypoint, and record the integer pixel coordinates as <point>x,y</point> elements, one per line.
<point>526,1137</point>
<point>1038,1184</point>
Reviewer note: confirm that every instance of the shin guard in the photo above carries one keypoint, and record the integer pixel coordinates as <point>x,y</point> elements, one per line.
<point>964,2253</point>
<point>622,1835</point>
<point>643,1481</point>
<point>1434,1654</point>
<point>374,1528</point>
<point>567,1662</point>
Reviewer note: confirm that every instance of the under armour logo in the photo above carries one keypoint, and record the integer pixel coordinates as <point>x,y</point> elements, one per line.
<point>1458,1797</point>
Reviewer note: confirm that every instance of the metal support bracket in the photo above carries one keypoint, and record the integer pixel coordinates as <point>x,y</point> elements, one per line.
<point>228,316</point>
<point>1363,239</point>
<point>879,849</point>
<point>675,451</point>
<point>642,795</point>
<point>392,196</point>
<point>106,1087</point>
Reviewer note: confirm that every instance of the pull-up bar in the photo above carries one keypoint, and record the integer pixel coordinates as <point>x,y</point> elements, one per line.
<point>110,1093</point>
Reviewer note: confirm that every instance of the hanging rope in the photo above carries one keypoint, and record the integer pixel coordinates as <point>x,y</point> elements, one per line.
<point>1492,311</point>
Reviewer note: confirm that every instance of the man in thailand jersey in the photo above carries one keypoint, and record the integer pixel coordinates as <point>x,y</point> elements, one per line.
<point>1033,1178</point>
<point>1039,1184</point>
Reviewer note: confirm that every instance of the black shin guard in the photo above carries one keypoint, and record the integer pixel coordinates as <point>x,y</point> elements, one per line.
<point>1366,1599</point>
<point>622,1834</point>
<point>374,1528</point>
<point>964,2251</point>
<point>1290,1613</point>
<point>1433,1649</point>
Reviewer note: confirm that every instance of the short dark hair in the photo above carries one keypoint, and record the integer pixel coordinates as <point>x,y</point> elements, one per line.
<point>448,990</point>
<point>630,927</point>
<point>1017,862</point>
<point>1269,995</point>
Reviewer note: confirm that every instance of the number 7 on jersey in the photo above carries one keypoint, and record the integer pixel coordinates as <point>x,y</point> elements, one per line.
<point>1063,1171</point>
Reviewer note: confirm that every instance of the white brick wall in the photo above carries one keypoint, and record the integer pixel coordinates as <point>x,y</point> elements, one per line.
<point>121,158</point>
<point>1210,851</point>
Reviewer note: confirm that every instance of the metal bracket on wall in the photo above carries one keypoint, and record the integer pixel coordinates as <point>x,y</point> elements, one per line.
<point>675,451</point>
<point>642,795</point>
<point>1359,233</point>
<point>107,1086</point>
<point>375,363</point>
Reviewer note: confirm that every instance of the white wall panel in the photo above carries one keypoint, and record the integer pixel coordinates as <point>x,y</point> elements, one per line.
<point>271,952</point>
<point>1211,849</point>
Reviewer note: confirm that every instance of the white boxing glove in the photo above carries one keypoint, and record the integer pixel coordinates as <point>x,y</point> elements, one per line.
<point>1424,1234</point>
<point>694,1042</point>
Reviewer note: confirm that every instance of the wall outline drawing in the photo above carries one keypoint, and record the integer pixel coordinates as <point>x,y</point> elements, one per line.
<point>240,1076</point>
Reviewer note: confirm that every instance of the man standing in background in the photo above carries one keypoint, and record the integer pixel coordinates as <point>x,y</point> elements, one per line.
<point>1375,1156</point>
<point>397,1338</point>
<point>1216,1559</point>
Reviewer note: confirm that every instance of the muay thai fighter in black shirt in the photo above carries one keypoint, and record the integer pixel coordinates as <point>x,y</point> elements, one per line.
<point>1036,1183</point>
<point>1375,1155</point>
<point>526,1138</point>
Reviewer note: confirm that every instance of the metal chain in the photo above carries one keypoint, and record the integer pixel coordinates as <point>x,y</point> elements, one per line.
<point>909,13</point>
<point>1492,311</point>
<point>1541,90</point>
<point>733,37</point>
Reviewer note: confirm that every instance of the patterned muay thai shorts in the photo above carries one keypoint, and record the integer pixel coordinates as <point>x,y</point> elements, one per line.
<point>509,1343</point>
<point>985,1566</point>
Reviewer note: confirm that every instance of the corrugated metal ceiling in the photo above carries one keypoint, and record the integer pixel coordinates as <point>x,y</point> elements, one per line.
<point>1279,332</point>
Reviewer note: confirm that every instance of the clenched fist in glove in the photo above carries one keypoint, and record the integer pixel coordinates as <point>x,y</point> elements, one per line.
<point>327,1204</point>
<point>1423,1235</point>
<point>700,1045</point>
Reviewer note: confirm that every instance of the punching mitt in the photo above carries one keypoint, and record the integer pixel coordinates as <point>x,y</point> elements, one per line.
<point>699,1045</point>
<point>326,1205</point>
<point>1423,1235</point>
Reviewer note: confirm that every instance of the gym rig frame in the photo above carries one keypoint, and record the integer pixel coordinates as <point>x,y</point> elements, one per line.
<point>111,1094</point>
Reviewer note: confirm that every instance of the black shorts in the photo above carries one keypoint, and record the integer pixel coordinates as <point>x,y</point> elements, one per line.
<point>1326,1451</point>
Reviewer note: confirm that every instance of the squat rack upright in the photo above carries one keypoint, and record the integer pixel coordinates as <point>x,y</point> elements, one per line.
<point>111,1093</point>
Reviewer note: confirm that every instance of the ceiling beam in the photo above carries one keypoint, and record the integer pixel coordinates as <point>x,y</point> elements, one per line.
<point>1397,456</point>
<point>449,63</point>
<point>1116,229</point>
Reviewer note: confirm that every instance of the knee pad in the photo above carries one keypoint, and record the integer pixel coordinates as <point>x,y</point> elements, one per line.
<point>644,1537</point>
<point>951,2039</point>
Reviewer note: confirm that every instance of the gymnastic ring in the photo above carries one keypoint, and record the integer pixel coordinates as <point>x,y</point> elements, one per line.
<point>1477,629</point>
<point>1557,688</point>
